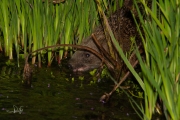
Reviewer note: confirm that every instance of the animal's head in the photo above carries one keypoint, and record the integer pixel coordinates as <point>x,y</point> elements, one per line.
<point>83,60</point>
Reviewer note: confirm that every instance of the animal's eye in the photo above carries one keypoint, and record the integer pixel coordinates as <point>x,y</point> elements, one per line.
<point>87,55</point>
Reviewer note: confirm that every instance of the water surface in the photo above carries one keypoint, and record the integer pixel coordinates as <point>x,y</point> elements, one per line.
<point>54,95</point>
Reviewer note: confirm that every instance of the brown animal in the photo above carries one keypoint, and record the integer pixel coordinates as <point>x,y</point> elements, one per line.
<point>123,27</point>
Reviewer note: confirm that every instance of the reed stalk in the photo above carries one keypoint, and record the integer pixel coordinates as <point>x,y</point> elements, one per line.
<point>162,47</point>
<point>28,25</point>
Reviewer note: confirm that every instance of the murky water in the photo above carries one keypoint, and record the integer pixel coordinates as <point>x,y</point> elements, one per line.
<point>54,95</point>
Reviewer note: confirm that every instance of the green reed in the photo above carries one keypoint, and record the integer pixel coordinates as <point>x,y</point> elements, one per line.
<point>161,68</point>
<point>5,21</point>
<point>28,25</point>
<point>160,24</point>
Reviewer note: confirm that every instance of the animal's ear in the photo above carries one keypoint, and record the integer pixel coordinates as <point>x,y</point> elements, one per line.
<point>99,35</point>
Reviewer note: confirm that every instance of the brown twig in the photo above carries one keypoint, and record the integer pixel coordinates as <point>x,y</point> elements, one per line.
<point>106,96</point>
<point>76,46</point>
<point>105,53</point>
<point>27,75</point>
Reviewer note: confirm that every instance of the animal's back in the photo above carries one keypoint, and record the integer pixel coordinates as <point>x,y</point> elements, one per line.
<point>124,28</point>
